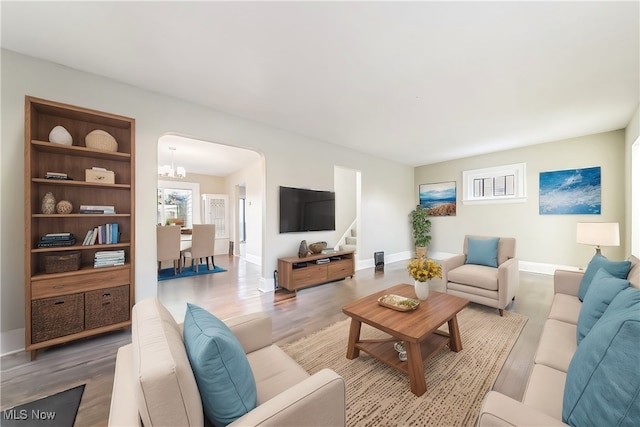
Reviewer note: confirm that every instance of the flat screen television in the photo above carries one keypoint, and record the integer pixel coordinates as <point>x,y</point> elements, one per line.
<point>307,210</point>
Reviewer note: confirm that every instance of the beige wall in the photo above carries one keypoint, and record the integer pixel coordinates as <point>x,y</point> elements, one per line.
<point>252,177</point>
<point>289,159</point>
<point>545,239</point>
<point>208,184</point>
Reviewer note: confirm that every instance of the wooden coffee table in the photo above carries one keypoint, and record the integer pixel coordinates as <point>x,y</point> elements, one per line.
<point>417,328</point>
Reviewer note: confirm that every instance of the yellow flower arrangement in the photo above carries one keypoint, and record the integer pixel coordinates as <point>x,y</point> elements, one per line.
<point>423,269</point>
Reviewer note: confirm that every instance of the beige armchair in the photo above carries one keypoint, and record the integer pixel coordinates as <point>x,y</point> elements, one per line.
<point>154,384</point>
<point>203,243</point>
<point>168,245</point>
<point>472,278</point>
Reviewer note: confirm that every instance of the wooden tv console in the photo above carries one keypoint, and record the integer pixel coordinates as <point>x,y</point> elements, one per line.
<point>295,273</point>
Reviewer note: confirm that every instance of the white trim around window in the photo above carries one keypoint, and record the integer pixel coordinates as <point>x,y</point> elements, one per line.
<point>499,184</point>
<point>194,187</point>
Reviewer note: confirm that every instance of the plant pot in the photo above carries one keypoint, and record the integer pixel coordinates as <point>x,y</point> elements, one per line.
<point>421,289</point>
<point>421,251</point>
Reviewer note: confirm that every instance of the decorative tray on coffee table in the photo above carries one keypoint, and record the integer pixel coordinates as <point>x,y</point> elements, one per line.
<point>398,302</point>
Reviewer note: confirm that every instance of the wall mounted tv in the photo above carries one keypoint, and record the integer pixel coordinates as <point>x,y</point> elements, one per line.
<point>307,210</point>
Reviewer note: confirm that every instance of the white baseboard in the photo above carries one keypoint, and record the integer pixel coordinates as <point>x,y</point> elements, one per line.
<point>253,259</point>
<point>528,266</point>
<point>267,285</point>
<point>361,264</point>
<point>541,268</point>
<point>11,341</point>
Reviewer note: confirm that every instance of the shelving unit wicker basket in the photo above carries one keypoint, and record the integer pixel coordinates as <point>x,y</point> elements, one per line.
<point>66,298</point>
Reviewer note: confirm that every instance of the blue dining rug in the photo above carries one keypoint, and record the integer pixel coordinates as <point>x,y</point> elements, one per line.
<point>59,410</point>
<point>167,273</point>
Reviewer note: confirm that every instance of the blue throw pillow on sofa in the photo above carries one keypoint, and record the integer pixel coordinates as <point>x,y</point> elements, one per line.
<point>482,251</point>
<point>223,374</point>
<point>603,289</point>
<point>603,380</point>
<point>619,269</point>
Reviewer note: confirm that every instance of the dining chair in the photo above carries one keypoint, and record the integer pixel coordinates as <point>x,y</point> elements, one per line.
<point>203,242</point>
<point>169,246</point>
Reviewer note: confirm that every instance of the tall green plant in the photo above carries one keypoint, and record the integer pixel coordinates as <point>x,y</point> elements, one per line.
<point>421,226</point>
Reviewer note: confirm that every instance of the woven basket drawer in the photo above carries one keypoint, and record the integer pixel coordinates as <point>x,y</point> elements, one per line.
<point>106,306</point>
<point>56,317</point>
<point>60,262</point>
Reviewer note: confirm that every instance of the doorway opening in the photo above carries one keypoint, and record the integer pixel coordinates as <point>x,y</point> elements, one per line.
<point>210,173</point>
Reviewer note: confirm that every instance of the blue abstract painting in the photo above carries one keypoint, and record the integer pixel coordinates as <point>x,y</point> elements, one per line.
<point>439,199</point>
<point>570,192</point>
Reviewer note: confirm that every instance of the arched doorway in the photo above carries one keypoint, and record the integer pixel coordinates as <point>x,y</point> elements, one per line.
<point>191,172</point>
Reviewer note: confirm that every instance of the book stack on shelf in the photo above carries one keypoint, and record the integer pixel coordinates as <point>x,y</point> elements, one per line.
<point>108,258</point>
<point>97,209</point>
<point>105,234</point>
<point>57,239</point>
<point>57,175</point>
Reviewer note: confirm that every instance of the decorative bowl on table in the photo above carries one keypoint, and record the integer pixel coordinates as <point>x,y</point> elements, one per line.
<point>399,303</point>
<point>317,247</point>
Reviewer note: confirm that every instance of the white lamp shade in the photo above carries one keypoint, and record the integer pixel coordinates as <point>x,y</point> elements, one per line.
<point>598,233</point>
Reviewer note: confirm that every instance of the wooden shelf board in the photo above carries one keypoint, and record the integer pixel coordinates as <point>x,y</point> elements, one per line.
<point>385,352</point>
<point>73,150</point>
<point>83,270</point>
<point>79,215</point>
<point>78,335</point>
<point>74,183</point>
<point>81,248</point>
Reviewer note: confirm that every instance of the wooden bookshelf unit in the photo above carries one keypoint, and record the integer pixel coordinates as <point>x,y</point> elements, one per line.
<point>63,304</point>
<point>295,273</point>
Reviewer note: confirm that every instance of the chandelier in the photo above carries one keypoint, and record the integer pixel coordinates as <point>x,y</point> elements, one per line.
<point>170,171</point>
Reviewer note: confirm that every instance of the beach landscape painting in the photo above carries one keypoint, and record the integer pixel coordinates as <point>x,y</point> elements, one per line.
<point>570,192</point>
<point>439,199</point>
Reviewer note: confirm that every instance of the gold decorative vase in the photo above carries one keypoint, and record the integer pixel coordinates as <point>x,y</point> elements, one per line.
<point>48,205</point>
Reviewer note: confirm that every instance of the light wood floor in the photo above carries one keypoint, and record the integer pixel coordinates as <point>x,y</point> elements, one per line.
<point>91,361</point>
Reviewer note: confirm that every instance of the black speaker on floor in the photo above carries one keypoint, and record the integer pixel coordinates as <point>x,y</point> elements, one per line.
<point>378,258</point>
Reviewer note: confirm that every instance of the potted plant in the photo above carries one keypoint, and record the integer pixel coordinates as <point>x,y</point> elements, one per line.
<point>421,225</point>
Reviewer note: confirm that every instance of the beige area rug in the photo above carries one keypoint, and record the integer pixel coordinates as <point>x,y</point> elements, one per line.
<point>378,395</point>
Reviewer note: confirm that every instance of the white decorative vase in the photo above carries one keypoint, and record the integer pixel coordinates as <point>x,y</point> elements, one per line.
<point>421,289</point>
<point>60,135</point>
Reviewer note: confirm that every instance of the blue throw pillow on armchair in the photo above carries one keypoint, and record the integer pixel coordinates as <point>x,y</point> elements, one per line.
<point>619,269</point>
<point>482,251</point>
<point>603,289</point>
<point>602,386</point>
<point>223,374</point>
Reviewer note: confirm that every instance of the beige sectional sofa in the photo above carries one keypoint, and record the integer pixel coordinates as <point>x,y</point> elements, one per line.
<point>154,384</point>
<point>543,398</point>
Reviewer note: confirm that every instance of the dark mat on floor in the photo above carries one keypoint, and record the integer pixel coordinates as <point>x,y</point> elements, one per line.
<point>58,410</point>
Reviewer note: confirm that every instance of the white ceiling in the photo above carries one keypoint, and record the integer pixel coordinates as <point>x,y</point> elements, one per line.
<point>414,82</point>
<point>203,157</point>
